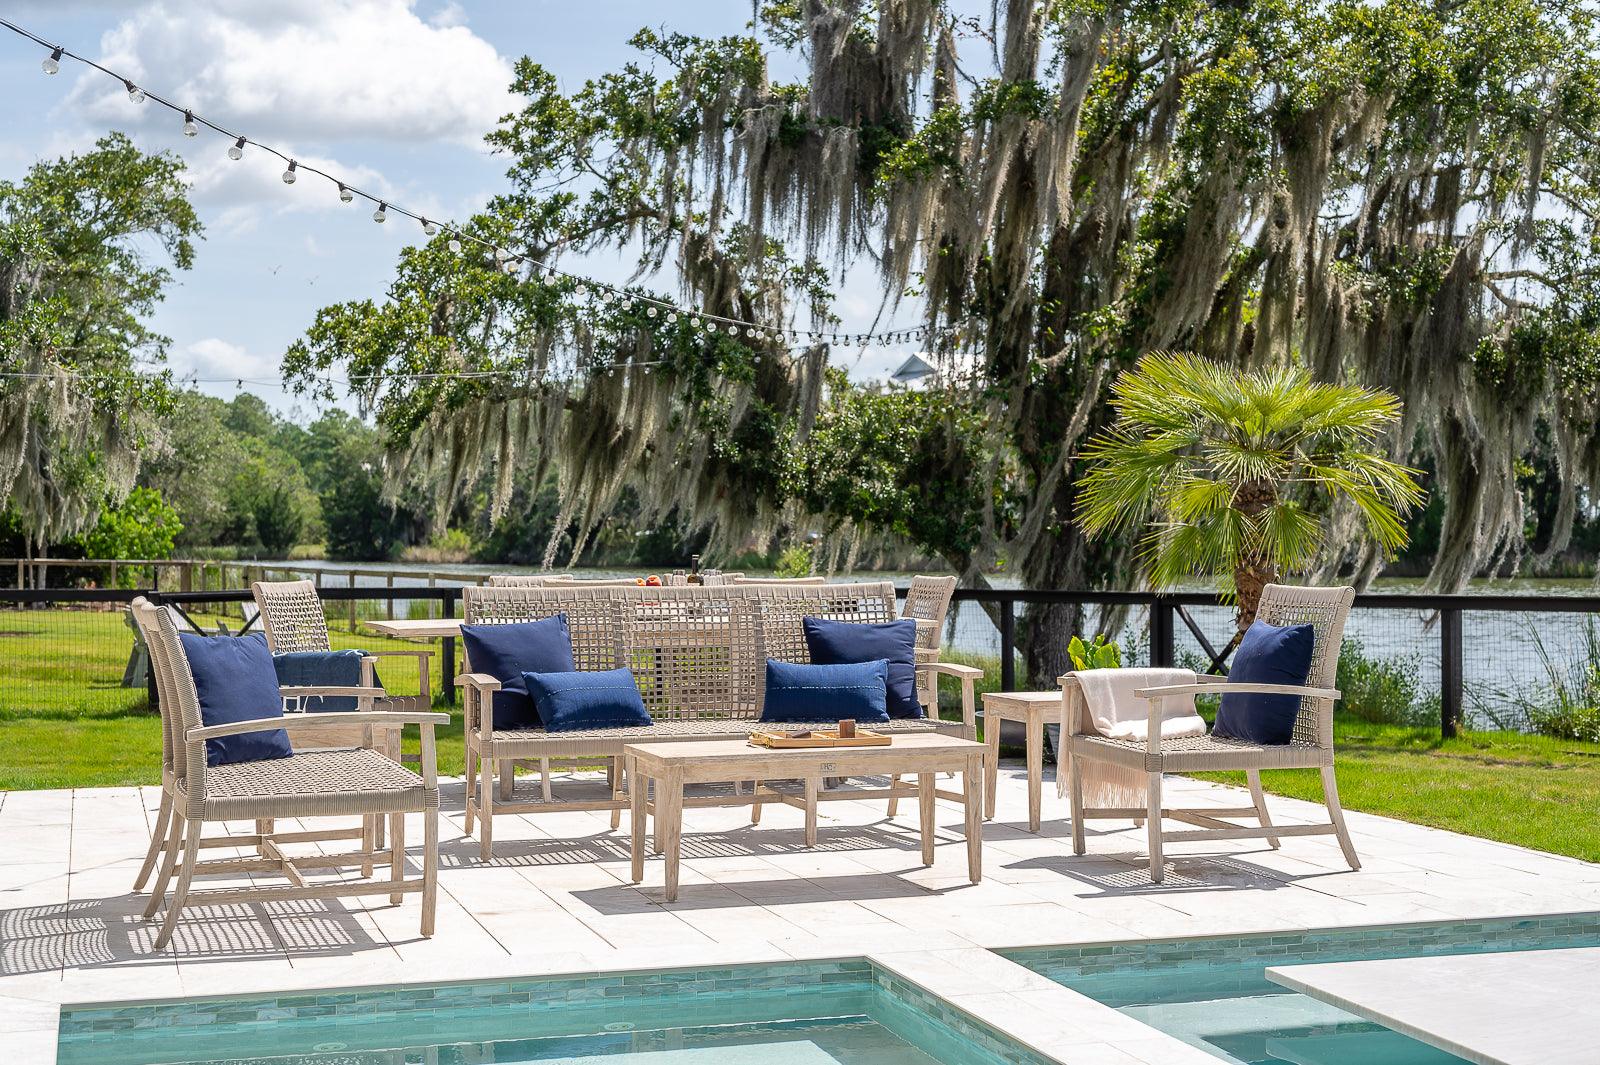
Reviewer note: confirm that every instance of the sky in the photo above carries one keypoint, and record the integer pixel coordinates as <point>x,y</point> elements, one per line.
<point>395,94</point>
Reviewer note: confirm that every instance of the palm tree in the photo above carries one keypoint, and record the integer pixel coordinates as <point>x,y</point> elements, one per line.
<point>1223,469</point>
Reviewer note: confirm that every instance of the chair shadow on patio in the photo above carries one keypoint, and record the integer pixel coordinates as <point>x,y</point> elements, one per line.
<point>1184,874</point>
<point>109,932</point>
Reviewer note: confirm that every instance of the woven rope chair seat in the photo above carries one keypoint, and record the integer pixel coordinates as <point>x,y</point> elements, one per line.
<point>1198,753</point>
<point>313,783</point>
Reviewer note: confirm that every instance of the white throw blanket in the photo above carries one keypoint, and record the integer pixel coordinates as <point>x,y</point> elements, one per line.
<point>1106,705</point>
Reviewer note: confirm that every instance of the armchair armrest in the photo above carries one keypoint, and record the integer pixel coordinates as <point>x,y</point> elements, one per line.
<point>967,675</point>
<point>1242,687</point>
<point>375,719</point>
<point>481,681</point>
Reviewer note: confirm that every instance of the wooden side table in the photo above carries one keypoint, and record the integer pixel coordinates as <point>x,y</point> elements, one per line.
<point>1034,710</point>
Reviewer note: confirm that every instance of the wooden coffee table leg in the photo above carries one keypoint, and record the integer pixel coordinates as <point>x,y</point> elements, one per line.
<point>925,799</point>
<point>991,763</point>
<point>639,820</point>
<point>813,785</point>
<point>1035,765</point>
<point>974,821</point>
<point>669,824</point>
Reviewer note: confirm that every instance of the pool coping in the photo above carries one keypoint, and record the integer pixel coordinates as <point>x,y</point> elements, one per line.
<point>982,982</point>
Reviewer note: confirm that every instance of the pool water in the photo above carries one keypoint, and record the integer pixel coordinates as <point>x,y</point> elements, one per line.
<point>1213,994</point>
<point>815,1013</point>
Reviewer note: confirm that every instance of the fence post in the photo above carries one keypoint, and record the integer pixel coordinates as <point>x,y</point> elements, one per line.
<point>352,601</point>
<point>1450,669</point>
<point>1162,644</point>
<point>448,609</point>
<point>1008,646</point>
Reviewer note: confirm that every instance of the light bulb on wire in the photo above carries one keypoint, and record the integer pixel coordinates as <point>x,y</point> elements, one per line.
<point>190,129</point>
<point>381,215</point>
<point>345,195</point>
<point>455,245</point>
<point>52,62</point>
<point>289,174</point>
<point>135,93</point>
<point>428,228</point>
<point>236,152</point>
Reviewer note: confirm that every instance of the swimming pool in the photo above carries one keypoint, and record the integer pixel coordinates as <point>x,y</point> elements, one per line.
<point>805,1013</point>
<point>1211,992</point>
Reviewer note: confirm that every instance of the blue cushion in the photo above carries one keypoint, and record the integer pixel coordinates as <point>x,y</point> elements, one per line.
<point>1268,654</point>
<point>234,678</point>
<point>798,692</point>
<point>301,669</point>
<point>602,699</point>
<point>840,642</point>
<point>506,652</point>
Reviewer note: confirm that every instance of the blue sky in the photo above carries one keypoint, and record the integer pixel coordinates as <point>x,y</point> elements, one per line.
<point>397,94</point>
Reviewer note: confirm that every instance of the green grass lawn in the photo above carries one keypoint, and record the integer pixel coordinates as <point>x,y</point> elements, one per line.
<point>65,721</point>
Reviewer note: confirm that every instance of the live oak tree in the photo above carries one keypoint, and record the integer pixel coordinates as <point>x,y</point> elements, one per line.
<point>1386,192</point>
<point>87,245</point>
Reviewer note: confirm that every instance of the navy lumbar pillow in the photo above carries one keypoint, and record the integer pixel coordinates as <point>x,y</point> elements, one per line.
<point>568,700</point>
<point>1268,654</point>
<point>798,692</point>
<point>303,669</point>
<point>834,643</point>
<point>506,652</point>
<point>235,681</point>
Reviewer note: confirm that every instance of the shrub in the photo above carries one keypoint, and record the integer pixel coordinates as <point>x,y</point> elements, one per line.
<point>1383,690</point>
<point>1568,707</point>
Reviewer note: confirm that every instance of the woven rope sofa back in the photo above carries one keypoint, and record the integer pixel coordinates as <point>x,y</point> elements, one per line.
<point>695,652</point>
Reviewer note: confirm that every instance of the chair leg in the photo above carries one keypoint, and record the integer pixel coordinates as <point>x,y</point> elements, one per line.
<point>894,800</point>
<point>544,779</point>
<point>369,841</point>
<point>397,853</point>
<point>471,781</point>
<point>618,790</point>
<point>486,812</point>
<point>1330,797</point>
<point>158,840</point>
<point>1153,820</point>
<point>1075,790</point>
<point>755,802</point>
<point>1260,799</point>
<point>191,852</point>
<point>430,868</point>
<point>508,778</point>
<point>169,861</point>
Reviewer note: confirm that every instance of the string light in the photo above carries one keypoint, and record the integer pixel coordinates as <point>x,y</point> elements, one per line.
<point>583,288</point>
<point>381,215</point>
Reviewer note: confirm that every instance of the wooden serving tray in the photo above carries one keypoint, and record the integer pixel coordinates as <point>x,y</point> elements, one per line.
<point>819,738</point>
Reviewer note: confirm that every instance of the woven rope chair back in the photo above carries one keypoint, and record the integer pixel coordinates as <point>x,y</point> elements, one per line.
<point>291,616</point>
<point>142,611</point>
<point>568,581</point>
<point>1326,610</point>
<point>180,703</point>
<point>928,601</point>
<point>780,582</point>
<point>517,580</point>
<point>769,623</point>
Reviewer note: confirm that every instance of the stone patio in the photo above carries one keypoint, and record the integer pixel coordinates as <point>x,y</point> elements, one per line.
<point>558,900</point>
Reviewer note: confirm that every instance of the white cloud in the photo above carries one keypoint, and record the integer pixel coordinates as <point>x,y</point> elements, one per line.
<point>451,14</point>
<point>215,359</point>
<point>305,68</point>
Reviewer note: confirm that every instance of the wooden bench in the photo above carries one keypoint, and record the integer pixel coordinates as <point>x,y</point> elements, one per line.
<point>698,655</point>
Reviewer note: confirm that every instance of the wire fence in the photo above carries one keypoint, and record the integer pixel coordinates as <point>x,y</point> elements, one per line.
<point>1445,661</point>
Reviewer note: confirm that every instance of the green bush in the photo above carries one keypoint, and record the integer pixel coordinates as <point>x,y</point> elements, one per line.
<point>1568,707</point>
<point>1383,690</point>
<point>793,562</point>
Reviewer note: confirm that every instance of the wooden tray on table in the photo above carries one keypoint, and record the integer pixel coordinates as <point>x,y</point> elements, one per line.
<point>819,738</point>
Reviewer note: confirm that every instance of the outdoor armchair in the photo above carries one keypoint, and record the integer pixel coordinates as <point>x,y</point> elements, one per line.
<point>1310,747</point>
<point>318,782</point>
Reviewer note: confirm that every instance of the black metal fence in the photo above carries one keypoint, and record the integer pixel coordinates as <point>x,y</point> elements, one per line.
<point>1457,659</point>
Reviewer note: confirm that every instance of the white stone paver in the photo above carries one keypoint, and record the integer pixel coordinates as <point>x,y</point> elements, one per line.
<point>558,900</point>
<point>1522,1008</point>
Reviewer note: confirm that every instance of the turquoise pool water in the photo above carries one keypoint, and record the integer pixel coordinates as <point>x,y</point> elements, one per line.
<point>823,1013</point>
<point>1212,993</point>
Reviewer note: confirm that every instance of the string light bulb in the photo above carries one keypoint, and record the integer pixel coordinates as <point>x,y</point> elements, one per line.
<point>345,195</point>
<point>455,245</point>
<point>236,152</point>
<point>381,215</point>
<point>289,174</point>
<point>52,62</point>
<point>190,129</point>
<point>135,93</point>
<point>428,228</point>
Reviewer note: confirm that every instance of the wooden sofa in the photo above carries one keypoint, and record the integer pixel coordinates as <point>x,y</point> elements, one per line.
<point>698,655</point>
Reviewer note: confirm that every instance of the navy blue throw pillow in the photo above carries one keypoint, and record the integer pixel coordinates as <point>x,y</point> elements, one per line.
<point>321,669</point>
<point>1268,654</point>
<point>235,681</point>
<point>833,643</point>
<point>797,692</point>
<point>506,652</point>
<point>606,698</point>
